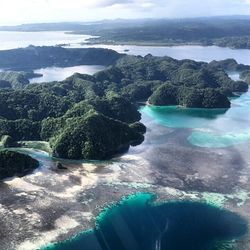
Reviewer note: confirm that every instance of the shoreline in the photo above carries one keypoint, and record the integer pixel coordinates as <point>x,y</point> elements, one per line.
<point>79,194</point>
<point>151,200</point>
<point>155,44</point>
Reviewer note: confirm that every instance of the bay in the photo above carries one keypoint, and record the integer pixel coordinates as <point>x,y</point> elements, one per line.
<point>197,53</point>
<point>59,74</point>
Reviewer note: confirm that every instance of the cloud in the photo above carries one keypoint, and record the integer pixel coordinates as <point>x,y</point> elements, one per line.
<point>86,4</point>
<point>25,11</point>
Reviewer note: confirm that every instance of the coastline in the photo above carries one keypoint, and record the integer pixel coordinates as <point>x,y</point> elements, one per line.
<point>52,205</point>
<point>77,196</point>
<point>93,41</point>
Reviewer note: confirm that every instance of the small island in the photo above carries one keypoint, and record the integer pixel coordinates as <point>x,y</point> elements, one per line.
<point>35,57</point>
<point>169,94</point>
<point>15,164</point>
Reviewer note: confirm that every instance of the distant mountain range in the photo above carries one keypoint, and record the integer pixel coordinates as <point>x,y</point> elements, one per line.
<point>110,24</point>
<point>223,31</point>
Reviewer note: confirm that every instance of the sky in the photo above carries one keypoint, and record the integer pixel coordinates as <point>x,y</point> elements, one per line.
<point>14,12</point>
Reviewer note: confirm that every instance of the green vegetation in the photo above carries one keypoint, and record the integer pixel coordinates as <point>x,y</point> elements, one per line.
<point>15,80</point>
<point>165,95</point>
<point>39,57</point>
<point>229,65</point>
<point>7,141</point>
<point>245,75</point>
<point>13,163</point>
<point>233,32</point>
<point>94,136</point>
<point>95,117</point>
<point>166,81</point>
<point>169,94</point>
<point>93,129</point>
<point>224,32</point>
<point>139,127</point>
<point>21,129</point>
<point>235,42</point>
<point>5,84</point>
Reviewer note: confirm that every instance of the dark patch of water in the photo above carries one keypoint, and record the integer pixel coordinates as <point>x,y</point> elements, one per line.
<point>136,223</point>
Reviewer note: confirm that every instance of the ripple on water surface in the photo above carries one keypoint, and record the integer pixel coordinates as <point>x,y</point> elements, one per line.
<point>138,223</point>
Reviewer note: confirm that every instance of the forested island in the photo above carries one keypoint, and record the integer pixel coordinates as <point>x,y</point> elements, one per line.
<point>224,31</point>
<point>130,139</point>
<point>35,57</point>
<point>96,117</point>
<point>13,163</point>
<point>229,31</point>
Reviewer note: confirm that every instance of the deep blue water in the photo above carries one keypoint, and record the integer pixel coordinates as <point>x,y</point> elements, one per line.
<point>136,223</point>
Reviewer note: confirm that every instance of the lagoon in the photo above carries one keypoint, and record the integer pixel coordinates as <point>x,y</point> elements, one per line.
<point>209,127</point>
<point>59,74</point>
<point>198,53</point>
<point>138,223</point>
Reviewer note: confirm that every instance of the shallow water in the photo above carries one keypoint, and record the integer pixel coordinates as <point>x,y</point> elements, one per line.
<point>209,127</point>
<point>137,223</point>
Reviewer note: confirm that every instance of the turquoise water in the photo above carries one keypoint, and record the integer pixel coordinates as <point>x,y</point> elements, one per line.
<point>209,139</point>
<point>209,127</point>
<point>136,223</point>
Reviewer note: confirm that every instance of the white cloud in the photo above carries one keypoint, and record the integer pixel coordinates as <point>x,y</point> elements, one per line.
<point>85,3</point>
<point>23,11</point>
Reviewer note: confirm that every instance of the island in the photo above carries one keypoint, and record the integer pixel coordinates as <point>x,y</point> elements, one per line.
<point>158,143</point>
<point>223,31</point>
<point>15,164</point>
<point>35,57</point>
<point>96,117</point>
<point>232,32</point>
<point>169,94</point>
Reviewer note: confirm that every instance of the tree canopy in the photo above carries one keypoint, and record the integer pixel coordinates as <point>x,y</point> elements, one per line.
<point>96,117</point>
